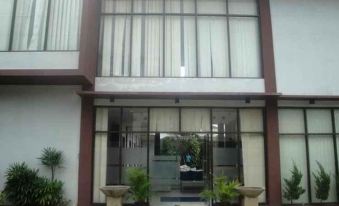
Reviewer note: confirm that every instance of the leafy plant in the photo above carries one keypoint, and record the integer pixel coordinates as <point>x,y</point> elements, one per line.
<point>49,192</point>
<point>2,197</point>
<point>322,183</point>
<point>224,190</point>
<point>292,189</point>
<point>139,183</point>
<point>51,158</point>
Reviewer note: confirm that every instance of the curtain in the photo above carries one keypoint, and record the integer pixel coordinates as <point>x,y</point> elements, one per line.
<point>253,149</point>
<point>179,6</point>
<point>164,120</point>
<point>30,25</point>
<point>211,6</point>
<point>148,6</point>
<point>195,120</point>
<point>180,52</point>
<point>6,9</point>
<point>64,25</point>
<point>213,47</point>
<point>291,121</point>
<point>319,121</point>
<point>100,155</point>
<point>245,47</point>
<point>248,7</point>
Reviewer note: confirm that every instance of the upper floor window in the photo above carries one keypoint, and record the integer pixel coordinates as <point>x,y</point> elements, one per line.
<point>180,38</point>
<point>40,25</point>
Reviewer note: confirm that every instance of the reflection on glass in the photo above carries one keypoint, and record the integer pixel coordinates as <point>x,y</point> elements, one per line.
<point>134,119</point>
<point>224,120</point>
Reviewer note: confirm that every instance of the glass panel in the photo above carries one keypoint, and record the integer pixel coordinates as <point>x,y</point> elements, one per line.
<point>180,6</point>
<point>195,120</point>
<point>116,6</point>
<point>293,150</point>
<point>291,121</point>
<point>180,44</point>
<point>116,45</point>
<point>247,7</point>
<point>211,6</point>
<point>101,119</point>
<point>213,47</point>
<point>113,159</point>
<point>64,25</point>
<point>253,153</point>
<point>100,167</point>
<point>224,120</point>
<point>245,47</point>
<point>336,119</point>
<point>164,120</point>
<point>148,6</point>
<point>6,9</point>
<point>251,120</point>
<point>147,46</point>
<point>114,118</point>
<point>321,150</point>
<point>135,119</point>
<point>30,25</point>
<point>319,121</point>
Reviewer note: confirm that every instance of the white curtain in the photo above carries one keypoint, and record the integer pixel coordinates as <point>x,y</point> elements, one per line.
<point>291,121</point>
<point>195,120</point>
<point>319,121</point>
<point>213,47</point>
<point>211,6</point>
<point>30,25</point>
<point>148,6</point>
<point>245,47</point>
<point>116,6</point>
<point>180,48</point>
<point>248,7</point>
<point>164,120</point>
<point>174,6</point>
<point>253,149</point>
<point>6,9</point>
<point>100,156</point>
<point>64,25</point>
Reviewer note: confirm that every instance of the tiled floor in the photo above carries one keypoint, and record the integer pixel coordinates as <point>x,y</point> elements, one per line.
<point>156,199</point>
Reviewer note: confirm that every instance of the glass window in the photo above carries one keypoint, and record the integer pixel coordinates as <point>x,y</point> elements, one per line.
<point>246,7</point>
<point>211,6</point>
<point>134,119</point>
<point>291,121</point>
<point>179,6</point>
<point>251,120</point>
<point>116,6</point>
<point>164,120</point>
<point>195,120</point>
<point>148,6</point>
<point>224,121</point>
<point>319,121</point>
<point>6,9</point>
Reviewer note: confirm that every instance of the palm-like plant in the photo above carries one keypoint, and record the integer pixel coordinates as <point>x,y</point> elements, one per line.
<point>322,183</point>
<point>139,183</point>
<point>51,158</point>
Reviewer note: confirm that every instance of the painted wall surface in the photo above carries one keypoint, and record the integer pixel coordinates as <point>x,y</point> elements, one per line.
<point>35,117</point>
<point>123,84</point>
<point>306,46</point>
<point>39,60</point>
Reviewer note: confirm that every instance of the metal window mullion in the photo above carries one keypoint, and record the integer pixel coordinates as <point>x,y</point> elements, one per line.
<point>47,24</point>
<point>239,142</point>
<point>163,38</point>
<point>307,158</point>
<point>131,41</point>
<point>11,35</point>
<point>120,145</point>
<point>148,150</point>
<point>112,42</point>
<point>210,152</point>
<point>196,38</point>
<point>335,143</point>
<point>228,41</point>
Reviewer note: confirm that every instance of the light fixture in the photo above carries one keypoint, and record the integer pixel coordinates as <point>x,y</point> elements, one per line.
<point>177,100</point>
<point>247,100</point>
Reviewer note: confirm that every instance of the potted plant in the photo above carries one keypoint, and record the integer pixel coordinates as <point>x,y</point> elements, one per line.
<point>292,189</point>
<point>322,183</point>
<point>224,191</point>
<point>140,186</point>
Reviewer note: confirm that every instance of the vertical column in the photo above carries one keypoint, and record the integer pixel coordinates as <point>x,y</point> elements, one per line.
<point>273,182</point>
<point>86,151</point>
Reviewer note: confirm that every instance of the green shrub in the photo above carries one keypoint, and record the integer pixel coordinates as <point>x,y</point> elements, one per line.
<point>51,158</point>
<point>139,183</point>
<point>322,183</point>
<point>224,191</point>
<point>49,192</point>
<point>2,197</point>
<point>292,188</point>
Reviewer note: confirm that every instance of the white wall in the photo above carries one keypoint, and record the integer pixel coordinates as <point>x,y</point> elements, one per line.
<point>35,117</point>
<point>123,84</point>
<point>39,60</point>
<point>306,46</point>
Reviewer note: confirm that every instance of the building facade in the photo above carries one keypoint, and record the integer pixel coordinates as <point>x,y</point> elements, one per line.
<point>117,84</point>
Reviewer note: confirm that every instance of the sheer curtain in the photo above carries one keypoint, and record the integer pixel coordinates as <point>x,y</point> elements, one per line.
<point>245,47</point>
<point>164,120</point>
<point>30,25</point>
<point>6,9</point>
<point>100,155</point>
<point>253,150</point>
<point>64,25</point>
<point>195,120</point>
<point>213,47</point>
<point>293,147</point>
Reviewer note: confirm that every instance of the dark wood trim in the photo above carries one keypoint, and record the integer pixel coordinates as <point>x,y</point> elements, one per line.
<point>86,152</point>
<point>267,46</point>
<point>310,97</point>
<point>273,181</point>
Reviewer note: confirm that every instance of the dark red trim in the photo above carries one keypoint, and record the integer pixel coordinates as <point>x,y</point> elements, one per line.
<point>273,181</point>
<point>309,97</point>
<point>86,151</point>
<point>267,46</point>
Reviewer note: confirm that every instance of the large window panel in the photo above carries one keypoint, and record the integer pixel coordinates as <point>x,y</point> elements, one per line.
<point>30,25</point>
<point>179,6</point>
<point>224,121</point>
<point>64,25</point>
<point>195,120</point>
<point>251,120</point>
<point>319,121</point>
<point>245,7</point>
<point>6,9</point>
<point>293,151</point>
<point>291,121</point>
<point>321,150</point>
<point>148,6</point>
<point>245,47</point>
<point>116,6</point>
<point>213,47</point>
<point>164,119</point>
<point>135,119</point>
<point>180,47</point>
<point>211,6</point>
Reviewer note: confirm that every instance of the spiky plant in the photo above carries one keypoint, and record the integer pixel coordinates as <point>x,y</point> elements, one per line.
<point>51,158</point>
<point>139,183</point>
<point>322,183</point>
<point>292,189</point>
